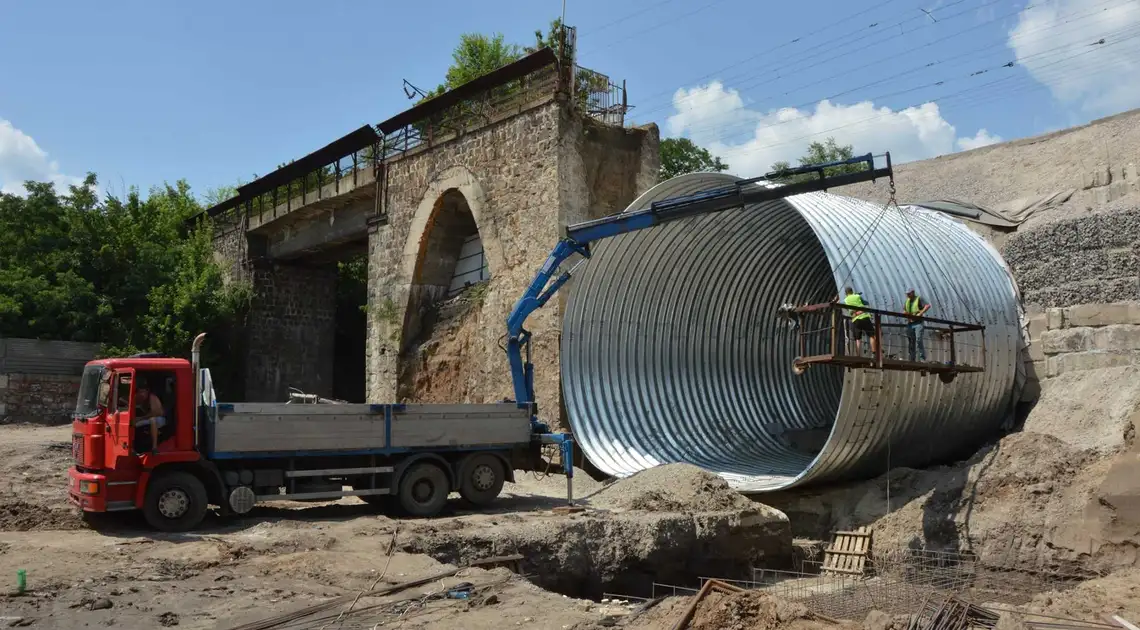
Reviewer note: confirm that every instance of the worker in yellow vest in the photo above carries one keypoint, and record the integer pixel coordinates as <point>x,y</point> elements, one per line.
<point>915,307</point>
<point>860,321</point>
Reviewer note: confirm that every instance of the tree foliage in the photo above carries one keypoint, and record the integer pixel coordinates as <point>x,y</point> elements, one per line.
<point>820,153</point>
<point>126,273</point>
<point>478,54</point>
<point>681,155</point>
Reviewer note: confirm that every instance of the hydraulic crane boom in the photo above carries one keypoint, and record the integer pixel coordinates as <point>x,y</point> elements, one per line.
<point>579,237</point>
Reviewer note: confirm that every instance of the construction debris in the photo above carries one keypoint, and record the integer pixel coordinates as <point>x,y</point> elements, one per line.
<point>952,613</point>
<point>848,552</point>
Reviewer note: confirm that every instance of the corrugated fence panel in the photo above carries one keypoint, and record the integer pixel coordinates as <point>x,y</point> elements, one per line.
<point>672,350</point>
<point>33,356</point>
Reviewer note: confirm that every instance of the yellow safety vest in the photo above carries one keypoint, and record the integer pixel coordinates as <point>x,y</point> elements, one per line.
<point>856,300</point>
<point>911,307</point>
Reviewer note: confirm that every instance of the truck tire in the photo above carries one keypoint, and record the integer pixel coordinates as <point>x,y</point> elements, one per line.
<point>482,479</point>
<point>175,502</point>
<point>424,490</point>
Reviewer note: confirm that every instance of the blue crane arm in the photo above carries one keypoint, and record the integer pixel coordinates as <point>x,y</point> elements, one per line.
<point>579,237</point>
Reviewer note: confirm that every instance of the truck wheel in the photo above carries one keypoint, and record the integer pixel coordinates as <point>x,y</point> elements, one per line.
<point>424,490</point>
<point>482,480</point>
<point>175,502</point>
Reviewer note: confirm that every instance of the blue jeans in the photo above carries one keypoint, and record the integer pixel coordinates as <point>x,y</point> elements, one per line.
<point>913,335</point>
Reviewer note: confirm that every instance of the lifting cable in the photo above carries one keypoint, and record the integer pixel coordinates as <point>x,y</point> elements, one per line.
<point>917,238</point>
<point>868,233</point>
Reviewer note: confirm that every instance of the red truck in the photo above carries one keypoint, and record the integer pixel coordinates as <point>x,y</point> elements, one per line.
<point>236,455</point>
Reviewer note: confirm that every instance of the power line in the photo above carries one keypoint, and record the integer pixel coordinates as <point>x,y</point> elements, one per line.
<point>699,9</point>
<point>628,16</point>
<point>832,48</point>
<point>955,34</point>
<point>1010,64</point>
<point>790,42</point>
<point>1080,71</point>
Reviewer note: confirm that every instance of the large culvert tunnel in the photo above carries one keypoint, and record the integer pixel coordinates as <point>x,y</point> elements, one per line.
<point>673,349</point>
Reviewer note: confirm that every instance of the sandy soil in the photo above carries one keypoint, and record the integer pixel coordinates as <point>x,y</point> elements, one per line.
<point>1061,494</point>
<point>288,556</point>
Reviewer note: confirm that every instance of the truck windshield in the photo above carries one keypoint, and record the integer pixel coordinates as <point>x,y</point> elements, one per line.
<point>89,385</point>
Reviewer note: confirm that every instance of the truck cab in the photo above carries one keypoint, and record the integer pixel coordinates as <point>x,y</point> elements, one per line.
<point>111,455</point>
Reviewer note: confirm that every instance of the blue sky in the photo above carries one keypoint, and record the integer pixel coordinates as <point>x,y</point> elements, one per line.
<point>146,92</point>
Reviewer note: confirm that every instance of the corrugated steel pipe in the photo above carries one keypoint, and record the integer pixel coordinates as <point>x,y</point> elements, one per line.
<point>673,349</point>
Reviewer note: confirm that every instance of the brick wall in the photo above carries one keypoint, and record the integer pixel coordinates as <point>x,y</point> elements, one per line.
<point>39,380</point>
<point>291,331</point>
<point>39,398</point>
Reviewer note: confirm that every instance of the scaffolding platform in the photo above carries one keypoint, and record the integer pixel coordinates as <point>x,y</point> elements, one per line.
<point>828,341</point>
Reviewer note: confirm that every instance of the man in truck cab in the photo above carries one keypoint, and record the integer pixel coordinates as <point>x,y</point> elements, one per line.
<point>149,418</point>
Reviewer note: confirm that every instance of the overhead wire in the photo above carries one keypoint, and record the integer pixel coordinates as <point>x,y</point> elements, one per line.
<point>932,100</point>
<point>1003,42</point>
<point>699,9</point>
<point>780,46</point>
<point>830,48</point>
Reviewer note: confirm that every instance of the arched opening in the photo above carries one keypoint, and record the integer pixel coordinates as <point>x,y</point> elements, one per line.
<point>450,266</point>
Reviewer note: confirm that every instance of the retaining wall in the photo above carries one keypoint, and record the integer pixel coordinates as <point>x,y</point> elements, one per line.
<point>1079,338</point>
<point>1086,260</point>
<point>39,380</point>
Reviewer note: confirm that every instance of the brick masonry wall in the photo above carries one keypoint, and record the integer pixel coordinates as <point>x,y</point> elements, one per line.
<point>1079,338</point>
<point>291,331</point>
<point>39,398</point>
<point>1086,260</point>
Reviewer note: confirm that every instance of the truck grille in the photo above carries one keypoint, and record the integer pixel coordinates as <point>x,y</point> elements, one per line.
<point>77,448</point>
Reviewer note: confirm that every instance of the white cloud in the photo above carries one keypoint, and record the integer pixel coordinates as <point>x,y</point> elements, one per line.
<point>1052,41</point>
<point>21,159</point>
<point>982,139</point>
<point>751,141</point>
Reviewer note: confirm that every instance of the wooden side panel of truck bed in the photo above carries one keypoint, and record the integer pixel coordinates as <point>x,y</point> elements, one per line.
<point>296,429</point>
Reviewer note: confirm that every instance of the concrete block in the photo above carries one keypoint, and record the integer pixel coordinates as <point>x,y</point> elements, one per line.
<point>1102,176</point>
<point>1116,338</point>
<point>1068,340</point>
<point>1103,314</point>
<point>1130,172</point>
<point>3,381</point>
<point>3,409</point>
<point>1037,369</point>
<point>1088,180</point>
<point>1036,351</point>
<point>1118,189</point>
<point>1037,325</point>
<point>1094,360</point>
<point>1055,318</point>
<point>1101,196</point>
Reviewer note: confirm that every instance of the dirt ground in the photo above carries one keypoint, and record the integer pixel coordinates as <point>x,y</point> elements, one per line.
<point>292,555</point>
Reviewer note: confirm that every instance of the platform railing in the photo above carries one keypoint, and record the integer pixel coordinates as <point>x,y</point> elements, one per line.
<point>825,336</point>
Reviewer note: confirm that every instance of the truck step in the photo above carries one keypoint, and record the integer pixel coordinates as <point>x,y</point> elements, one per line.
<point>301,496</point>
<point>336,472</point>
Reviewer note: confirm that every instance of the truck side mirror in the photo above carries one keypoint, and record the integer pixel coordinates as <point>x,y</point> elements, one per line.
<point>104,400</point>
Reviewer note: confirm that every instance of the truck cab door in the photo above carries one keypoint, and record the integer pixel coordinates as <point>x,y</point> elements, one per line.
<point>122,412</point>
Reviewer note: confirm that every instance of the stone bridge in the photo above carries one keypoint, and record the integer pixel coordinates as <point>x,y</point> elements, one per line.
<point>473,186</point>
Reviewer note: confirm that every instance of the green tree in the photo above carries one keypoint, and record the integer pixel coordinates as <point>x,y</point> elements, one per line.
<point>476,55</point>
<point>681,155</point>
<point>819,153</point>
<point>126,273</point>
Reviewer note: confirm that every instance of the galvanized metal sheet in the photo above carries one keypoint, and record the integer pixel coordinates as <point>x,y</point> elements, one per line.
<point>672,350</point>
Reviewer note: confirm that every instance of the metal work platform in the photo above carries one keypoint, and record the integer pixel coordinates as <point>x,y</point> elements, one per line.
<point>831,322</point>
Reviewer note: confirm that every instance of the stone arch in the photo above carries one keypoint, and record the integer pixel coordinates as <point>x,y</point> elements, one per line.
<point>452,210</point>
<point>461,180</point>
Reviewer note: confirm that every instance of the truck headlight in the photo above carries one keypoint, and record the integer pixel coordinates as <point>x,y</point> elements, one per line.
<point>89,487</point>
